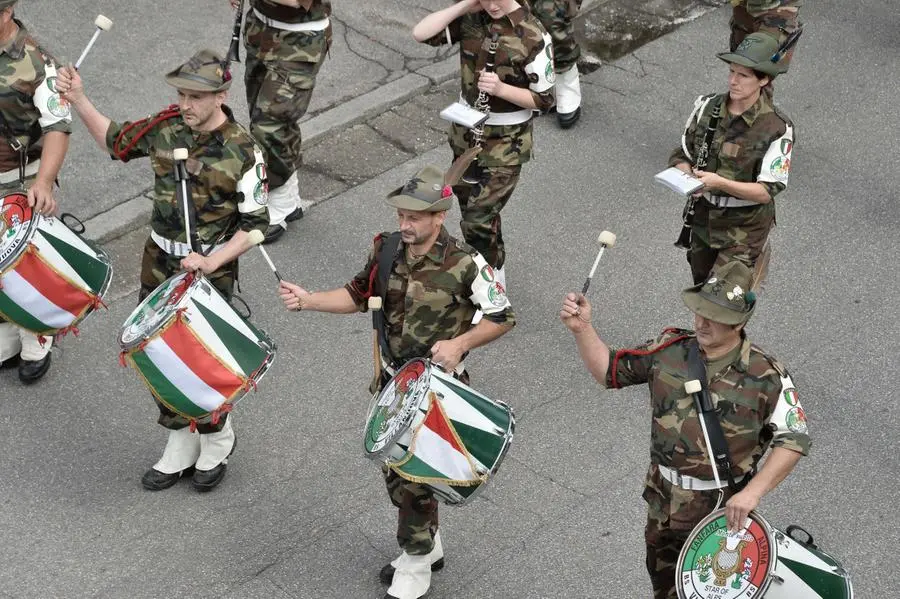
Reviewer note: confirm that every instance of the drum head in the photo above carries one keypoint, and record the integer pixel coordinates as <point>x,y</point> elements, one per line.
<point>393,409</point>
<point>156,309</point>
<point>714,564</point>
<point>17,224</point>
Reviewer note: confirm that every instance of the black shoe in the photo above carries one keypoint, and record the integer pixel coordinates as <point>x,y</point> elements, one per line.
<point>10,362</point>
<point>273,233</point>
<point>206,480</point>
<point>568,119</point>
<point>30,371</point>
<point>386,576</point>
<point>154,480</point>
<point>297,214</point>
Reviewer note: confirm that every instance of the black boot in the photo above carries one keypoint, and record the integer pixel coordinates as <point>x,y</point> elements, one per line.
<point>206,480</point>
<point>154,480</point>
<point>30,371</point>
<point>568,119</point>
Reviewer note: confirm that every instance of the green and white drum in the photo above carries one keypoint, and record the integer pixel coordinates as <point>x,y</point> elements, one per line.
<point>759,561</point>
<point>432,429</point>
<point>194,352</point>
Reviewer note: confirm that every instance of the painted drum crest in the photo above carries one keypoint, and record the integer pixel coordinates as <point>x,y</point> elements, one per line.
<point>16,220</point>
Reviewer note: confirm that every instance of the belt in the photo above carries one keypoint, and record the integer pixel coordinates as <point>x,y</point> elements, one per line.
<point>31,169</point>
<point>177,248</point>
<point>690,483</point>
<point>727,201</point>
<point>460,368</point>
<point>319,25</point>
<point>516,117</point>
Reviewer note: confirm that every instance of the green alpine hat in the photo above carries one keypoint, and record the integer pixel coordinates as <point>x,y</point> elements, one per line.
<point>725,297</point>
<point>204,72</point>
<point>7,3</point>
<point>756,52</point>
<point>425,192</point>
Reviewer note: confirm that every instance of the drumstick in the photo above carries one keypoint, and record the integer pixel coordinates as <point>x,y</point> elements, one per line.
<point>606,239</point>
<point>103,24</point>
<point>256,237</point>
<point>375,305</point>
<point>694,388</point>
<point>180,155</point>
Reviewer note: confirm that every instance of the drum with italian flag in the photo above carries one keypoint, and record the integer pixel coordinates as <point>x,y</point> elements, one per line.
<point>432,429</point>
<point>194,352</point>
<point>51,278</point>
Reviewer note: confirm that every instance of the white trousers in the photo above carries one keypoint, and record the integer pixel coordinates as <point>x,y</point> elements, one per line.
<point>284,200</point>
<point>14,340</point>
<point>568,91</point>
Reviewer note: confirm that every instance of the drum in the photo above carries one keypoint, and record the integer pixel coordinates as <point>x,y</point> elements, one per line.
<point>196,354</point>
<point>760,561</point>
<point>432,429</point>
<point>50,277</point>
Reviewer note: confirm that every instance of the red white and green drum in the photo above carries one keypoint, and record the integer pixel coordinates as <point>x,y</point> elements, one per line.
<point>50,277</point>
<point>759,561</point>
<point>432,429</point>
<point>194,352</point>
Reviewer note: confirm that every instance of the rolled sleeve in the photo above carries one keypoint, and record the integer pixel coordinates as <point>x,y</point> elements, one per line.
<point>362,286</point>
<point>139,149</point>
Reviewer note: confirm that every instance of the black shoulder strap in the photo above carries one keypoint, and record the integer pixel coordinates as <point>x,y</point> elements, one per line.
<point>706,411</point>
<point>14,143</point>
<point>385,260</point>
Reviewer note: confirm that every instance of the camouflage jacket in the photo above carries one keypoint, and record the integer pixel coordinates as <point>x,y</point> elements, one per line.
<point>28,100</point>
<point>524,58</point>
<point>760,7</point>
<point>757,403</point>
<point>228,176</point>
<point>756,146</point>
<point>433,298</point>
<point>311,10</point>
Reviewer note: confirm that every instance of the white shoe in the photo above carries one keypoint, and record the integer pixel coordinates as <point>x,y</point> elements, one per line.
<point>412,577</point>
<point>283,201</point>
<point>182,451</point>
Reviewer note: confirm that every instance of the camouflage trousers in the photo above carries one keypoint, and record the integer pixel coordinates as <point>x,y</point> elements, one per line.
<point>417,513</point>
<point>483,192</point>
<point>672,513</point>
<point>280,76</point>
<point>557,17</point>
<point>780,22</point>
<point>721,235</point>
<point>156,267</point>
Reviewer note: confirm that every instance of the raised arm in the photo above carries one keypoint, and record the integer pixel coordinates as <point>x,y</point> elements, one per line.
<point>439,20</point>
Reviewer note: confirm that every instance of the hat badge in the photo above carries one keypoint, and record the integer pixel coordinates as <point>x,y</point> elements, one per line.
<point>735,293</point>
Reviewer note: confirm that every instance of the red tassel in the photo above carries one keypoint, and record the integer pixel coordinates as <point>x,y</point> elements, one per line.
<point>42,340</point>
<point>122,359</point>
<point>193,426</point>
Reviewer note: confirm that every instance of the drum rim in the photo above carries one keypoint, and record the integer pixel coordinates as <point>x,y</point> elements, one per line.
<point>32,227</point>
<point>714,515</point>
<point>148,335</point>
<point>407,420</point>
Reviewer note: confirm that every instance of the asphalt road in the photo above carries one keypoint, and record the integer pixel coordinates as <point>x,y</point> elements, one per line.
<point>302,514</point>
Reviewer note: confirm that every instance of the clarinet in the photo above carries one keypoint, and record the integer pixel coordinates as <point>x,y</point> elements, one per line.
<point>233,54</point>
<point>483,103</point>
<point>687,215</point>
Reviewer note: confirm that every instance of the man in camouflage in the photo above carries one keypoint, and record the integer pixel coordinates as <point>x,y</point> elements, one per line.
<point>228,191</point>
<point>756,402</point>
<point>521,83</point>
<point>35,128</point>
<point>286,42</point>
<point>558,18</point>
<point>435,285</point>
<point>777,17</point>
<point>749,160</point>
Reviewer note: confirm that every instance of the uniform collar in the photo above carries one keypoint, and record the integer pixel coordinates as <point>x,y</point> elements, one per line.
<point>761,106</point>
<point>438,249</point>
<point>16,46</point>
<point>743,361</point>
<point>514,18</point>
<point>217,134</point>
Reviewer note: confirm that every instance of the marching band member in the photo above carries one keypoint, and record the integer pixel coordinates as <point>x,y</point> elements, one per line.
<point>756,401</point>
<point>431,285</point>
<point>521,83</point>
<point>558,18</point>
<point>35,128</point>
<point>286,42</point>
<point>228,189</point>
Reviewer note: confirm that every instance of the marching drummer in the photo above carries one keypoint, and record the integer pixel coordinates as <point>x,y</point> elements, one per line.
<point>34,127</point>
<point>431,285</point>
<point>755,401</point>
<point>228,189</point>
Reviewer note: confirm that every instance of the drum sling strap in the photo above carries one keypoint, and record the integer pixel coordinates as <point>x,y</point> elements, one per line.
<point>385,261</point>
<point>14,143</point>
<point>706,411</point>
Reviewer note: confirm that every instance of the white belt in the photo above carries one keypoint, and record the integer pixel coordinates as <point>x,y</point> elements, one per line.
<point>505,118</point>
<point>177,248</point>
<point>460,368</point>
<point>690,483</point>
<point>31,169</point>
<point>727,201</point>
<point>320,25</point>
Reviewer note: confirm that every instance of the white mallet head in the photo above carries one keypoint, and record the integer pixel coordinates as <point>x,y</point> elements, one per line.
<point>255,237</point>
<point>103,23</point>
<point>180,153</point>
<point>374,303</point>
<point>691,387</point>
<point>607,238</point>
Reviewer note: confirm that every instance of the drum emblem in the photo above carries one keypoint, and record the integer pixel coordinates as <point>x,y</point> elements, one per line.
<point>728,561</point>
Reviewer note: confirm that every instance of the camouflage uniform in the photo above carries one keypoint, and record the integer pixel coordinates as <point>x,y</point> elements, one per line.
<point>429,299</point>
<point>757,406</point>
<point>31,108</point>
<point>280,76</point>
<point>778,17</point>
<point>558,18</point>
<point>524,58</point>
<point>227,188</point>
<point>755,146</point>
